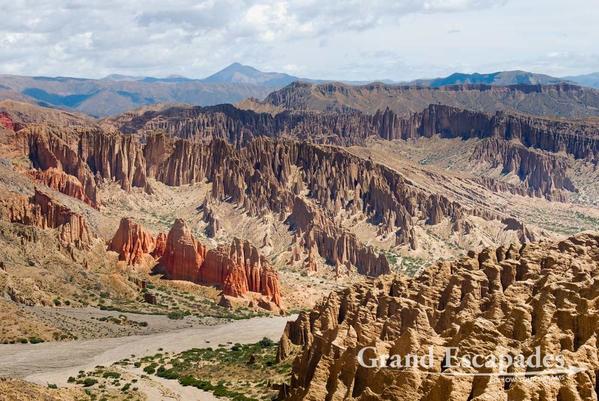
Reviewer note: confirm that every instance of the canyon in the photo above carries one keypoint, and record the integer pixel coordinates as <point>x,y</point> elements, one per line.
<point>389,217</point>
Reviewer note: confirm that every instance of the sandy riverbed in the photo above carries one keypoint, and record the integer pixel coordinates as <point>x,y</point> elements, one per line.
<point>55,362</point>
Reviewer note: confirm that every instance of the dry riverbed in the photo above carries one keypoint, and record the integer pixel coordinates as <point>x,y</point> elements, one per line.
<point>54,363</point>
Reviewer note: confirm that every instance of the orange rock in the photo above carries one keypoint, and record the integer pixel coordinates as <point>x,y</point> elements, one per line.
<point>131,242</point>
<point>237,269</point>
<point>62,182</point>
<point>160,246</point>
<point>44,212</point>
<point>183,255</point>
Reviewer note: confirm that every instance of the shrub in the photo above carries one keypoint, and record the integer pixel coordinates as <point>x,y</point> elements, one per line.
<point>150,369</point>
<point>176,315</point>
<point>88,382</point>
<point>111,375</point>
<point>266,342</point>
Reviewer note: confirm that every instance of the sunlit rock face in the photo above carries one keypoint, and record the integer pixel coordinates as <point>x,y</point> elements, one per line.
<point>501,301</point>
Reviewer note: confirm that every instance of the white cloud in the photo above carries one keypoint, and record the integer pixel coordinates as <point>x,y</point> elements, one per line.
<point>318,38</point>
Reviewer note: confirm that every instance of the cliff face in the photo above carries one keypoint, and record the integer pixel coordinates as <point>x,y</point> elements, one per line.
<point>501,301</point>
<point>237,268</point>
<point>86,153</point>
<point>62,182</point>
<point>239,127</point>
<point>544,174</point>
<point>579,140</point>
<point>132,242</point>
<point>183,254</point>
<point>44,212</point>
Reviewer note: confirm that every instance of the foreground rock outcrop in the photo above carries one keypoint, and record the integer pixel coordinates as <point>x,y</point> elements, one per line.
<point>505,301</point>
<point>237,269</point>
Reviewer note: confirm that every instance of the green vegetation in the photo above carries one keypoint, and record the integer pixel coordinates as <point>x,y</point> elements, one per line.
<point>89,381</point>
<point>251,369</point>
<point>411,266</point>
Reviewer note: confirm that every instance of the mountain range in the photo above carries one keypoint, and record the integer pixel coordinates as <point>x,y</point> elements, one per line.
<point>115,94</point>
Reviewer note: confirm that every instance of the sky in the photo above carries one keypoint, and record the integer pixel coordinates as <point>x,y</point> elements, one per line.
<point>320,39</point>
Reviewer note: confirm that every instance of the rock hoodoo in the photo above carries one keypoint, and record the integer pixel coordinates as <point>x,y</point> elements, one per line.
<point>502,301</point>
<point>183,255</point>
<point>237,269</point>
<point>132,242</point>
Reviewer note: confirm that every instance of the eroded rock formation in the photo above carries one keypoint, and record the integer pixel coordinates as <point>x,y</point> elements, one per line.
<point>62,182</point>
<point>183,255</point>
<point>502,301</point>
<point>132,242</point>
<point>239,127</point>
<point>44,212</point>
<point>237,269</point>
<point>240,268</point>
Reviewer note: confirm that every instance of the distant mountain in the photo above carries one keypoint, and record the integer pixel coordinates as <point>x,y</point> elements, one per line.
<point>116,93</point>
<point>501,78</point>
<point>243,74</point>
<point>591,80</point>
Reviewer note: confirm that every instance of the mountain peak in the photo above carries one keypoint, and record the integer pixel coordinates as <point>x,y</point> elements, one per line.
<point>244,74</point>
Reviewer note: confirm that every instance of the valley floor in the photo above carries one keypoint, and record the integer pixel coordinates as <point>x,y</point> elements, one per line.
<point>54,363</point>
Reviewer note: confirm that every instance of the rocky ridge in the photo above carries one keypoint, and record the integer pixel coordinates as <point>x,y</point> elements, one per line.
<point>41,210</point>
<point>507,300</point>
<point>563,99</point>
<point>577,139</point>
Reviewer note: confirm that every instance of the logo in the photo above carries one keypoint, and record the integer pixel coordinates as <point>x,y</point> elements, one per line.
<point>454,363</point>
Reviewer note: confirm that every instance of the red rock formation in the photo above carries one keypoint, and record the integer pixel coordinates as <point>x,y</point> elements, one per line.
<point>160,247</point>
<point>131,242</point>
<point>72,227</point>
<point>238,268</point>
<point>6,121</point>
<point>183,255</point>
<point>62,182</point>
<point>44,212</point>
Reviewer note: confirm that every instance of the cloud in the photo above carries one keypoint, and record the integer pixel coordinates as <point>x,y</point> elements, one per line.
<point>194,38</point>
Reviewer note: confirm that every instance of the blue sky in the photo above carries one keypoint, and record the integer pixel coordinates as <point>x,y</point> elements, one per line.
<point>351,40</point>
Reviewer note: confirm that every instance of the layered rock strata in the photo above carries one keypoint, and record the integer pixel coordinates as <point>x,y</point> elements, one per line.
<point>44,212</point>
